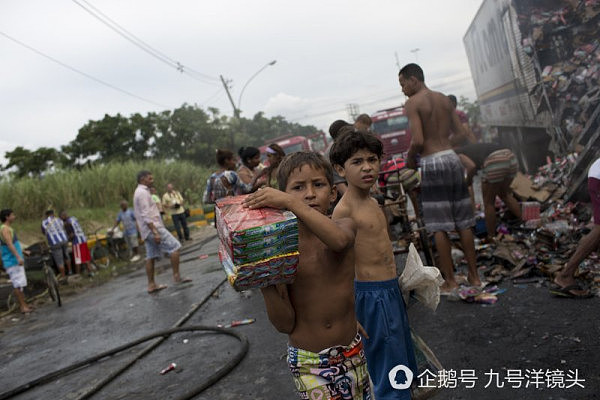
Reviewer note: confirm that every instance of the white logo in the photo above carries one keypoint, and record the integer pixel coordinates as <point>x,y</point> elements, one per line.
<point>394,378</point>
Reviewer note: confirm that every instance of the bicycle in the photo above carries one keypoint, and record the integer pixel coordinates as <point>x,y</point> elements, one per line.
<point>41,262</point>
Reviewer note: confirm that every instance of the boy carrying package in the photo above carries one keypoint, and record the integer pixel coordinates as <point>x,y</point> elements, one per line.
<point>325,352</point>
<point>380,308</point>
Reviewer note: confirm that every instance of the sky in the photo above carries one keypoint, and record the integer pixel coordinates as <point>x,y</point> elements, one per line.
<point>62,66</point>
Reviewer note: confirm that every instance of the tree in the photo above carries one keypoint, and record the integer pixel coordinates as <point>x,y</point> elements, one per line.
<point>31,163</point>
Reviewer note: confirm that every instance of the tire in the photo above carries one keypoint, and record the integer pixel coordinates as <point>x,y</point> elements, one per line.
<point>122,250</point>
<point>100,256</point>
<point>52,285</point>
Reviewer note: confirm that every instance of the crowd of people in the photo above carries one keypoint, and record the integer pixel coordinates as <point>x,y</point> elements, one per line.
<point>344,314</point>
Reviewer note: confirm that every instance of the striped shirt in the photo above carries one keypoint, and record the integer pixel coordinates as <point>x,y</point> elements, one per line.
<point>78,235</point>
<point>54,229</point>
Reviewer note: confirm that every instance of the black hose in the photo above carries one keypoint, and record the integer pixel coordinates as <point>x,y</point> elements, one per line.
<point>162,335</point>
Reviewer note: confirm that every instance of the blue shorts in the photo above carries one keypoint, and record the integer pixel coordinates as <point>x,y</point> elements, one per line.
<point>381,311</point>
<point>168,244</point>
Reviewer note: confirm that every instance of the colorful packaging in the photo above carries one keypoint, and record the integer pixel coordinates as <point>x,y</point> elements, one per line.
<point>271,271</point>
<point>257,247</point>
<point>530,210</point>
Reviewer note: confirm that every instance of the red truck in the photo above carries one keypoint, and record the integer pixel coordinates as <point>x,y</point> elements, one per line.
<point>391,126</point>
<point>291,144</point>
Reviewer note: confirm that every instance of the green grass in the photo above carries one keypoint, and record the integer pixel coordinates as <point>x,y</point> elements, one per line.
<point>93,194</point>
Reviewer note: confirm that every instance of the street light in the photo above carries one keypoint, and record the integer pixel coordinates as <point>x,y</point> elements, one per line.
<point>239,104</point>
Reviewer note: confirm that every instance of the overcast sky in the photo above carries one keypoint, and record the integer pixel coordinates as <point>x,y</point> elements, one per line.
<point>328,54</point>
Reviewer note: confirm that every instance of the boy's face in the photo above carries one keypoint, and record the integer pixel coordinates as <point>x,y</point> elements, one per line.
<point>312,187</point>
<point>361,170</point>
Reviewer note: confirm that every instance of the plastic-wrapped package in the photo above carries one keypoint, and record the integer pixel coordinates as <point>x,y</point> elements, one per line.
<point>425,281</point>
<point>258,247</point>
<point>271,271</point>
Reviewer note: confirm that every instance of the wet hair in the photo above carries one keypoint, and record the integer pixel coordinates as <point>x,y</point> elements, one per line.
<point>278,149</point>
<point>223,155</point>
<point>4,214</point>
<point>247,152</point>
<point>298,159</point>
<point>349,143</point>
<point>410,70</point>
<point>364,119</point>
<point>334,128</point>
<point>142,174</point>
<point>453,99</point>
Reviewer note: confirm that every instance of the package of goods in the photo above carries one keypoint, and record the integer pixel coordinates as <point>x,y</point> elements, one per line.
<point>530,210</point>
<point>258,247</point>
<point>271,271</point>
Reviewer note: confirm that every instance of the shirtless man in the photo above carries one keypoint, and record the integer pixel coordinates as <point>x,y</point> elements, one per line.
<point>444,192</point>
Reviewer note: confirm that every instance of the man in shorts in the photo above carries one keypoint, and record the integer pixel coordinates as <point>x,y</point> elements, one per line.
<point>130,229</point>
<point>54,229</point>
<point>446,204</point>
<point>157,238</point>
<point>81,252</point>
<point>498,166</point>
<point>565,284</point>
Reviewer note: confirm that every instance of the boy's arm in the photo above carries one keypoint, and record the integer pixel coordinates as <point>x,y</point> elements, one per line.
<point>279,308</point>
<point>337,235</point>
<point>470,168</point>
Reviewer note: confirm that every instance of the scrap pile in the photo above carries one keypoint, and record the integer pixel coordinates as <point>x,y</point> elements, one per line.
<point>258,247</point>
<point>535,249</point>
<point>563,36</point>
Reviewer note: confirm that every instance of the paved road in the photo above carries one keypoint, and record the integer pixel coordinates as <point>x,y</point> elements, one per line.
<point>525,330</point>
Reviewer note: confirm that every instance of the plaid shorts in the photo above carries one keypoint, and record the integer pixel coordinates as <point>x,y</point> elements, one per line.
<point>168,244</point>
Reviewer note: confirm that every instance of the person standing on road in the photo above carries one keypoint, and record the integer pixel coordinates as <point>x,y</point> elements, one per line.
<point>12,258</point>
<point>157,238</point>
<point>130,229</point>
<point>81,252</point>
<point>565,284</point>
<point>446,204</point>
<point>173,202</point>
<point>54,230</point>
<point>458,139</point>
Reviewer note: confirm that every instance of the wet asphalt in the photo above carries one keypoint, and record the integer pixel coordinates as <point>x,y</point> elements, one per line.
<point>525,332</point>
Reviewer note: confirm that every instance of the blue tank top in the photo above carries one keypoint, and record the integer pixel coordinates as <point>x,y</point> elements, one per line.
<point>8,258</point>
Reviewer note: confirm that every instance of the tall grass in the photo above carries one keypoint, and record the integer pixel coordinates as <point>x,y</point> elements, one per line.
<point>98,186</point>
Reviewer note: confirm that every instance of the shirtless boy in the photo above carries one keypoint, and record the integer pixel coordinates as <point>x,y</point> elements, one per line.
<point>325,353</point>
<point>380,308</point>
<point>444,192</point>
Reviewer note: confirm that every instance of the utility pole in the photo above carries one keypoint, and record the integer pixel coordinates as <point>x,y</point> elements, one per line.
<point>236,112</point>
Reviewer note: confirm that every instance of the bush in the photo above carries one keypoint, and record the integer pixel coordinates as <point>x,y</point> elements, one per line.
<point>98,186</point>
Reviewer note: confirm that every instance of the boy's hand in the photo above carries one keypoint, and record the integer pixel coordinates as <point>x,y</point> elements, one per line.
<point>267,197</point>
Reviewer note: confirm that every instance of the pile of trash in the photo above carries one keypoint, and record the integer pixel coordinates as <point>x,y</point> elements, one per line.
<point>533,250</point>
<point>563,36</point>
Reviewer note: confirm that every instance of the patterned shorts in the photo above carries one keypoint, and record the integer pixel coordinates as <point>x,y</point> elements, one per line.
<point>168,244</point>
<point>444,193</point>
<point>338,373</point>
<point>499,166</point>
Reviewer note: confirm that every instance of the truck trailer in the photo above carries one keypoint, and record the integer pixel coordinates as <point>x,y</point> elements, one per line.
<point>536,67</point>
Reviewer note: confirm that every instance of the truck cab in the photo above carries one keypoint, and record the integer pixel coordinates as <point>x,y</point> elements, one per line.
<point>391,127</point>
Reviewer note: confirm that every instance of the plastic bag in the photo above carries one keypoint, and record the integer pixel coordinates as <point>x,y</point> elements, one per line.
<point>425,281</point>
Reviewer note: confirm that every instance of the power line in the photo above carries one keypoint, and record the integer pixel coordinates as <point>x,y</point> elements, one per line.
<point>81,72</point>
<point>213,96</point>
<point>120,30</point>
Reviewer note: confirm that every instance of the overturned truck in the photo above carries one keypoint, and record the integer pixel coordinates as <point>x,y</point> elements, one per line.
<point>536,68</point>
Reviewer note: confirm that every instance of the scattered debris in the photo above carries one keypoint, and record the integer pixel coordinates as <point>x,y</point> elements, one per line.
<point>170,368</point>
